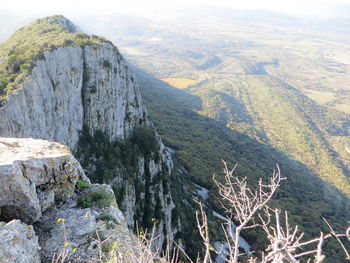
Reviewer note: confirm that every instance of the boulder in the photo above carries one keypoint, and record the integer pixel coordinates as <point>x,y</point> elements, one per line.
<point>34,176</point>
<point>18,243</point>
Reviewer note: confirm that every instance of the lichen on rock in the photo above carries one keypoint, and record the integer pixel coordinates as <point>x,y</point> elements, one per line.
<point>18,243</point>
<point>83,232</point>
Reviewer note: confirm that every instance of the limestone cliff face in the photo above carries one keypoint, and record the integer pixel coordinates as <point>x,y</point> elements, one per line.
<point>90,89</point>
<point>71,87</point>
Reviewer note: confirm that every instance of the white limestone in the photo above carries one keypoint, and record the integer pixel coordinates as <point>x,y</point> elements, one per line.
<point>34,174</point>
<point>72,87</point>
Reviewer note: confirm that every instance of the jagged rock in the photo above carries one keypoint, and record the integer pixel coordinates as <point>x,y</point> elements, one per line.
<point>112,99</point>
<point>38,183</point>
<point>34,175</point>
<point>82,231</point>
<point>18,243</point>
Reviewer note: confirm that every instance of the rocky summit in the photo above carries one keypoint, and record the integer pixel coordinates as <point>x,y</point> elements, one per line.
<point>78,90</point>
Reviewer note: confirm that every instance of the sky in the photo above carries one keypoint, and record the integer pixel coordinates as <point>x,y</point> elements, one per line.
<point>318,8</point>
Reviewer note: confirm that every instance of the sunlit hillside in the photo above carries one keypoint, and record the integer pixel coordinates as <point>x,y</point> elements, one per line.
<point>253,92</point>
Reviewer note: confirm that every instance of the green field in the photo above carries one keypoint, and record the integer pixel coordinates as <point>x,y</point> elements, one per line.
<point>180,83</point>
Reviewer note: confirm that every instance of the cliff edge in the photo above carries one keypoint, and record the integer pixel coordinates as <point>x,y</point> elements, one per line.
<point>64,86</point>
<point>43,185</point>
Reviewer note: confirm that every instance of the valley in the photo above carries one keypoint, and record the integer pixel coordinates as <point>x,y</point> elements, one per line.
<point>252,88</point>
<point>234,88</point>
<point>284,85</point>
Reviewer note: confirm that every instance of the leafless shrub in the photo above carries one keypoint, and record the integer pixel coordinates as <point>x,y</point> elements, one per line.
<point>140,251</point>
<point>249,208</point>
<point>243,205</point>
<point>137,249</point>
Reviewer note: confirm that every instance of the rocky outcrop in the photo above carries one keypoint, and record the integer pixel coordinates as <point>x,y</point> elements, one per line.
<point>90,89</point>
<point>111,97</point>
<point>18,243</point>
<point>138,169</point>
<point>65,23</point>
<point>84,232</point>
<point>34,175</point>
<point>39,185</point>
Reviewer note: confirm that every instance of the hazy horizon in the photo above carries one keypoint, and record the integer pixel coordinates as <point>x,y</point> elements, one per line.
<point>14,15</point>
<point>315,9</point>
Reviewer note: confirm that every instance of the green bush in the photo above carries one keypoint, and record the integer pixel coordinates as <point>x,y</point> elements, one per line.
<point>106,218</point>
<point>145,139</point>
<point>110,220</point>
<point>100,198</point>
<point>119,193</point>
<point>83,185</point>
<point>84,202</point>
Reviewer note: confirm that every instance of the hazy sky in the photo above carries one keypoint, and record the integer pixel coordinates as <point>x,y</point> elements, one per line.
<point>299,7</point>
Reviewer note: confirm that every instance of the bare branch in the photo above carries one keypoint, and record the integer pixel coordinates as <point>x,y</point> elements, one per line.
<point>204,232</point>
<point>338,239</point>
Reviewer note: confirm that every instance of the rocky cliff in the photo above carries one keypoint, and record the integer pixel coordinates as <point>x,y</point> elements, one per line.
<point>43,185</point>
<point>71,87</point>
<point>84,95</point>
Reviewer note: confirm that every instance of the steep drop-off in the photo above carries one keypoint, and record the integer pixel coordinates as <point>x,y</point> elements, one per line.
<point>84,95</point>
<point>201,143</point>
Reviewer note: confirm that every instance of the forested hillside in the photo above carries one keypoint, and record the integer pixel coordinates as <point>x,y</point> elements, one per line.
<point>256,97</point>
